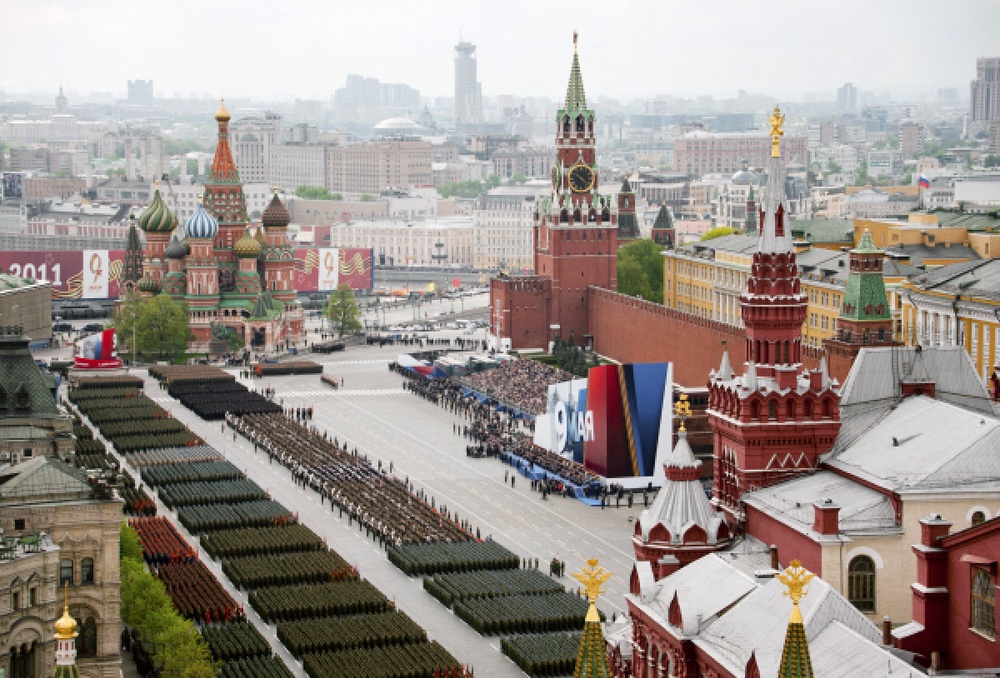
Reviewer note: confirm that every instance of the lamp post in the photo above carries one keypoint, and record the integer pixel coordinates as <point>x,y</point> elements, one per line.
<point>134,351</point>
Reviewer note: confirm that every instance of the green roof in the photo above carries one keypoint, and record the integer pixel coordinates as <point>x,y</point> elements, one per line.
<point>823,230</point>
<point>795,660</point>
<point>23,389</point>
<point>592,659</point>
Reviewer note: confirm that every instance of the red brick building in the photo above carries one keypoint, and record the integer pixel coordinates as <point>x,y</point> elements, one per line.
<point>954,598</point>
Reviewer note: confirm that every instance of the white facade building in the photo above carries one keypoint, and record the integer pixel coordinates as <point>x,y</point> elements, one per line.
<point>503,225</point>
<point>441,242</point>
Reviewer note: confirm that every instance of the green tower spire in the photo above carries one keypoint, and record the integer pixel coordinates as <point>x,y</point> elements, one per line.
<point>576,98</point>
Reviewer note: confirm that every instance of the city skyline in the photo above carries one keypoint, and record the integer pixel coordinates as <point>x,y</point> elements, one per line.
<point>523,48</point>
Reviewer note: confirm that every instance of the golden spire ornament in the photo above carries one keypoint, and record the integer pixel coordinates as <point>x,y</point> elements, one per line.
<point>777,120</point>
<point>682,410</point>
<point>593,578</point>
<point>796,578</point>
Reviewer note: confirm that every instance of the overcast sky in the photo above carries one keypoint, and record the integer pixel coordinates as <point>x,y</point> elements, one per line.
<point>305,48</point>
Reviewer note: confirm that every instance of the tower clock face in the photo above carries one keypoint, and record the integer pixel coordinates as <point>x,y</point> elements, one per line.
<point>581,178</point>
<point>556,176</point>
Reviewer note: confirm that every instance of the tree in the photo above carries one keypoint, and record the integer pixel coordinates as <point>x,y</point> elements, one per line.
<point>461,189</point>
<point>641,264</point>
<point>519,179</point>
<point>183,653</point>
<point>367,198</point>
<point>161,325</point>
<point>317,193</point>
<point>861,177</point>
<point>992,160</point>
<point>129,545</point>
<point>718,232</point>
<point>833,167</point>
<point>492,181</point>
<point>342,310</point>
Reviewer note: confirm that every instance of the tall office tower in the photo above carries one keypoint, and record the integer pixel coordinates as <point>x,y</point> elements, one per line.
<point>849,99</point>
<point>468,90</point>
<point>984,95</point>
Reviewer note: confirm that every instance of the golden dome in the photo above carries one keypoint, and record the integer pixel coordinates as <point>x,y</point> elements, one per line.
<point>65,625</point>
<point>222,115</point>
<point>247,247</point>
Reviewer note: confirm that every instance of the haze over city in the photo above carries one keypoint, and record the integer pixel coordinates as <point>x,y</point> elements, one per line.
<point>305,49</point>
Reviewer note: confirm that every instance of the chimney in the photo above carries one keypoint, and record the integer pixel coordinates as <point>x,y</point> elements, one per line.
<point>774,558</point>
<point>826,516</point>
<point>816,380</point>
<point>933,528</point>
<point>887,630</point>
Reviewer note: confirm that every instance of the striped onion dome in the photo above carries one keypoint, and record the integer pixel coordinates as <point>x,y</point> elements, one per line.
<point>247,247</point>
<point>201,224</point>
<point>157,218</point>
<point>275,215</point>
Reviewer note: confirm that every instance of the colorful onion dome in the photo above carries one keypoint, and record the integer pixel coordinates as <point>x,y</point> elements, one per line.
<point>176,249</point>
<point>157,218</point>
<point>246,247</point>
<point>201,224</point>
<point>222,115</point>
<point>276,214</point>
<point>149,285</point>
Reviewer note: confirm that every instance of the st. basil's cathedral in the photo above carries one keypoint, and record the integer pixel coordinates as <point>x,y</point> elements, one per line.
<point>228,275</point>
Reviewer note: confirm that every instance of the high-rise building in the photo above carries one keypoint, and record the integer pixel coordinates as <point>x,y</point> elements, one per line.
<point>140,92</point>
<point>252,139</point>
<point>849,99</point>
<point>984,95</point>
<point>468,90</point>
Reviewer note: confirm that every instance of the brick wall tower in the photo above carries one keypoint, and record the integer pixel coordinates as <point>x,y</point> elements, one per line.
<point>775,420</point>
<point>628,224</point>
<point>225,201</point>
<point>865,315</point>
<point>575,231</point>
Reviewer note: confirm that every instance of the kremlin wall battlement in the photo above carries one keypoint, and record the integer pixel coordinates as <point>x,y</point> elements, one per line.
<point>632,330</point>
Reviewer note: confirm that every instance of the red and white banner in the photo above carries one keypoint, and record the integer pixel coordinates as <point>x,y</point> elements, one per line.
<point>98,351</point>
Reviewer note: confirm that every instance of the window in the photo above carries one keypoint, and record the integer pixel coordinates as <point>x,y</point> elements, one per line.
<point>18,523</point>
<point>15,600</point>
<point>65,572</point>
<point>861,583</point>
<point>32,596</point>
<point>87,571</point>
<point>978,518</point>
<point>983,603</point>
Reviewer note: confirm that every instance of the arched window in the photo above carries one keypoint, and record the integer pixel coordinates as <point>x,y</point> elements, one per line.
<point>978,518</point>
<point>861,583</point>
<point>984,605</point>
<point>87,571</point>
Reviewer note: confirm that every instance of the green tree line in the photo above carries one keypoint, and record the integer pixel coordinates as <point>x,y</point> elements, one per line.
<point>178,649</point>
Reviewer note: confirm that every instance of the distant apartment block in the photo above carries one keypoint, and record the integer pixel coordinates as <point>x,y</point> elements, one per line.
<point>503,226</point>
<point>911,139</point>
<point>701,153</point>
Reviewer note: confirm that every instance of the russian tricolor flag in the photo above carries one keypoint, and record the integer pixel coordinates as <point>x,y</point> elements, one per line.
<point>924,182</point>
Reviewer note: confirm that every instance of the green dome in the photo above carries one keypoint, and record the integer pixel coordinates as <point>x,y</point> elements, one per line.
<point>157,218</point>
